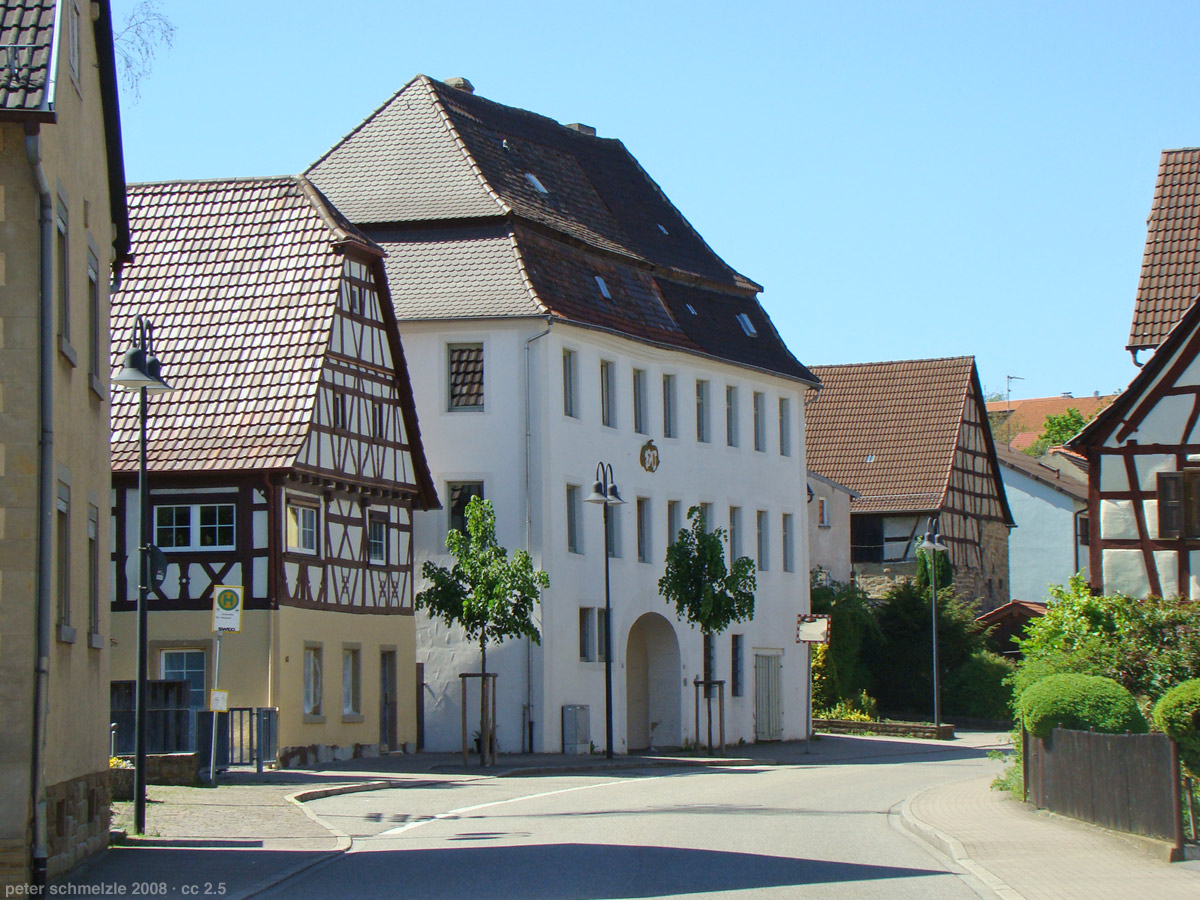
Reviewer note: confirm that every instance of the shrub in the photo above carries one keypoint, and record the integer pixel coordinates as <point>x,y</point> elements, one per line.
<point>981,687</point>
<point>1079,702</point>
<point>851,624</point>
<point>1177,714</point>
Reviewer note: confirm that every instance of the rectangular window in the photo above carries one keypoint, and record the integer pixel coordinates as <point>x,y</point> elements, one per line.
<point>735,532</point>
<point>608,399</point>
<point>639,401</point>
<point>785,427</point>
<point>570,385</point>
<point>736,653</point>
<point>706,518</point>
<point>460,494</point>
<point>760,422</point>
<point>613,530</point>
<point>341,420</point>
<point>763,539</point>
<point>378,420</point>
<point>1084,533</point>
<point>196,526</point>
<point>190,666</point>
<point>574,526</point>
<point>63,261</point>
<point>823,512</point>
<point>703,434</point>
<point>351,681</point>
<point>643,529</point>
<point>789,550</point>
<point>63,546</point>
<point>465,377</point>
<point>95,321</point>
<point>674,520</point>
<point>312,681</point>
<point>601,635</point>
<point>669,427</point>
<point>73,39</point>
<point>301,528</point>
<point>587,634</point>
<point>377,545</point>
<point>731,415</point>
<point>93,531</point>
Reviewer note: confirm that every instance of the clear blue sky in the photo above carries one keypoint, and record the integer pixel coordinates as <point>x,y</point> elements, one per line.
<point>906,179</point>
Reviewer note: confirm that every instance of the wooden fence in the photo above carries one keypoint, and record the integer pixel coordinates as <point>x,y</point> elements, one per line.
<point>1127,782</point>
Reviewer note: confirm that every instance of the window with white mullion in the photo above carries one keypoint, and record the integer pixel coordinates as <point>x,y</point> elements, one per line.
<point>195,526</point>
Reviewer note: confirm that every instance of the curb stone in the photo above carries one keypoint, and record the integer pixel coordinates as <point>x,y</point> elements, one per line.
<point>954,849</point>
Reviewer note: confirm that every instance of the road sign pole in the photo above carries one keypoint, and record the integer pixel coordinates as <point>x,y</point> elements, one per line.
<point>212,759</point>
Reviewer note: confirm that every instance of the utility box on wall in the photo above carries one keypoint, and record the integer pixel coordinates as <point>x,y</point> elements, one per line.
<point>576,729</point>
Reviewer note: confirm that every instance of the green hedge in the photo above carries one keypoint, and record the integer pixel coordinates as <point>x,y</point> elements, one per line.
<point>1177,714</point>
<point>981,687</point>
<point>1079,702</point>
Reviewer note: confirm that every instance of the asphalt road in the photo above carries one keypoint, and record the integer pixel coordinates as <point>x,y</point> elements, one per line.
<point>801,831</point>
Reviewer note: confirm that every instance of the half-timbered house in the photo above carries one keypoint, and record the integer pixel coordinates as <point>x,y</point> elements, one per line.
<point>287,461</point>
<point>912,439</point>
<point>563,312</point>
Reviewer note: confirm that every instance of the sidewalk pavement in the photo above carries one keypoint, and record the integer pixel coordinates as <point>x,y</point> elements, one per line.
<point>197,837</point>
<point>1024,854</point>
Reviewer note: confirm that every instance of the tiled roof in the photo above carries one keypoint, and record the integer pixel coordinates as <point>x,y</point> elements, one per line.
<point>1015,609</point>
<point>1038,471</point>
<point>889,429</point>
<point>434,152</point>
<point>1023,420</point>
<point>26,44</point>
<point>1170,278</point>
<point>240,279</point>
<point>448,273</point>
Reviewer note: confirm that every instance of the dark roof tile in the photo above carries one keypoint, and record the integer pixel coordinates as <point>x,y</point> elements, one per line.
<point>26,45</point>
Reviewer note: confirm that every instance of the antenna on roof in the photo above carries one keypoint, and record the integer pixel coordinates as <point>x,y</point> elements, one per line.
<point>1008,380</point>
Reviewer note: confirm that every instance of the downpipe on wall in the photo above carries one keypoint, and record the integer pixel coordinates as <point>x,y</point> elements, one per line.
<point>527,711</point>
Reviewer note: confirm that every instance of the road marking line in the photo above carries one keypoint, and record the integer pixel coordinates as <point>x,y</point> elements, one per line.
<point>478,806</point>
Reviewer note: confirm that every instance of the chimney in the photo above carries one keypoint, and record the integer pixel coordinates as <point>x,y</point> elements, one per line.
<point>1068,395</point>
<point>460,84</point>
<point>583,129</point>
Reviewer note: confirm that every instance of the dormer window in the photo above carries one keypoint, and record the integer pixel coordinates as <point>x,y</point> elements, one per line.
<point>536,182</point>
<point>663,229</point>
<point>690,308</point>
<point>747,325</point>
<point>603,286</point>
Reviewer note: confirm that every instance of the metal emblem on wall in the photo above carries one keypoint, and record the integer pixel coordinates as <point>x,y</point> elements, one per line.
<point>648,456</point>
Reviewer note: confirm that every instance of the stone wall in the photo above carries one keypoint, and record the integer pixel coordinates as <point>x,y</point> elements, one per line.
<point>78,821</point>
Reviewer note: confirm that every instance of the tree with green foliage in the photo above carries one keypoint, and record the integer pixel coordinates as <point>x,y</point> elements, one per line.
<point>1080,703</point>
<point>1148,645</point>
<point>841,671</point>
<point>705,592</point>
<point>1177,715</point>
<point>945,571</point>
<point>488,594</point>
<point>1057,430</point>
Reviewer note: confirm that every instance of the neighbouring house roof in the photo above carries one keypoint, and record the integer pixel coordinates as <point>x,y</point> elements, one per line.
<point>1069,462</point>
<point>816,476</point>
<point>447,182</point>
<point>28,83</point>
<point>890,430</point>
<point>240,278</point>
<point>1018,610</point>
<point>1170,277</point>
<point>1041,473</point>
<point>1023,420</point>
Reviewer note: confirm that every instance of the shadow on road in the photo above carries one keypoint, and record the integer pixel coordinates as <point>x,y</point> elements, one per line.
<point>564,871</point>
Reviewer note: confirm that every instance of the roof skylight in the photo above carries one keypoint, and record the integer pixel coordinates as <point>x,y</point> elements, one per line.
<point>747,325</point>
<point>663,229</point>
<point>600,283</point>
<point>690,308</point>
<point>536,182</point>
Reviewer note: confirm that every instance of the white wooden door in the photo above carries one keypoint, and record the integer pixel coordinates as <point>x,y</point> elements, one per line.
<point>768,711</point>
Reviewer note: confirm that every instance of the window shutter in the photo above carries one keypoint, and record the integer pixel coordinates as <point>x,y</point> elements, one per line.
<point>1170,504</point>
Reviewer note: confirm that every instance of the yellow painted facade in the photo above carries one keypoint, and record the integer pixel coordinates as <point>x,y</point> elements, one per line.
<point>75,162</point>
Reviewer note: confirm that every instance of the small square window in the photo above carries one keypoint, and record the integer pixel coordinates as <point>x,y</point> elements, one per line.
<point>377,528</point>
<point>301,528</point>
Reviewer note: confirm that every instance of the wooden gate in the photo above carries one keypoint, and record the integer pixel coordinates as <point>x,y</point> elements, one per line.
<point>768,711</point>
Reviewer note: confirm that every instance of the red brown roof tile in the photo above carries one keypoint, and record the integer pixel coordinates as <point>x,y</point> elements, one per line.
<point>1170,278</point>
<point>26,47</point>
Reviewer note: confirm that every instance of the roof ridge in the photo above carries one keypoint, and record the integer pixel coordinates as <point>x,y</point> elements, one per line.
<point>234,179</point>
<point>523,269</point>
<point>462,145</point>
<point>334,220</point>
<point>359,127</point>
<point>892,362</point>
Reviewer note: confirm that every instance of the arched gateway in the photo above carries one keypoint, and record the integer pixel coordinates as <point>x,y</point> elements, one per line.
<point>652,685</point>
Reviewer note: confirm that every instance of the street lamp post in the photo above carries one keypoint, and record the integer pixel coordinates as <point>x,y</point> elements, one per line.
<point>141,372</point>
<point>931,545</point>
<point>604,492</point>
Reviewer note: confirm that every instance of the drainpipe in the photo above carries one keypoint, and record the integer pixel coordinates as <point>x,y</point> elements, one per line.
<point>41,705</point>
<point>528,736</point>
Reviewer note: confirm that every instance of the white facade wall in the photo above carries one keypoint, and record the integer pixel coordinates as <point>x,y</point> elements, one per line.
<point>1042,548</point>
<point>829,542</point>
<point>490,446</point>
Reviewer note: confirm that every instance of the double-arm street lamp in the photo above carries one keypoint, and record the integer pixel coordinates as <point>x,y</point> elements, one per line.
<point>604,492</point>
<point>141,372</point>
<point>931,545</point>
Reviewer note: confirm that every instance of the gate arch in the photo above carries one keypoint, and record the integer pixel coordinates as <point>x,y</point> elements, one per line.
<point>652,685</point>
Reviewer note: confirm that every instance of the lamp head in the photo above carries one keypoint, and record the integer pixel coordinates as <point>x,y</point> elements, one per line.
<point>154,370</point>
<point>614,496</point>
<point>134,374</point>
<point>597,495</point>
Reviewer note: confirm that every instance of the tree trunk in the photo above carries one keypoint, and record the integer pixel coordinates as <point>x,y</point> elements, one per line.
<point>485,737</point>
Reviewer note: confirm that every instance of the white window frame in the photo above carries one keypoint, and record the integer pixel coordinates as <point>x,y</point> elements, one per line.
<point>703,404</point>
<point>574,528</point>
<point>297,516</point>
<point>760,421</point>
<point>788,535</point>
<point>785,426</point>
<point>735,532</point>
<point>763,529</point>
<point>570,383</point>
<point>194,527</point>
<point>823,513</point>
<point>351,682</point>
<point>314,687</point>
<point>644,549</point>
<point>608,393</point>
<point>674,520</point>
<point>587,634</point>
<point>639,401</point>
<point>731,415</point>
<point>377,519</point>
<point>670,413</point>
